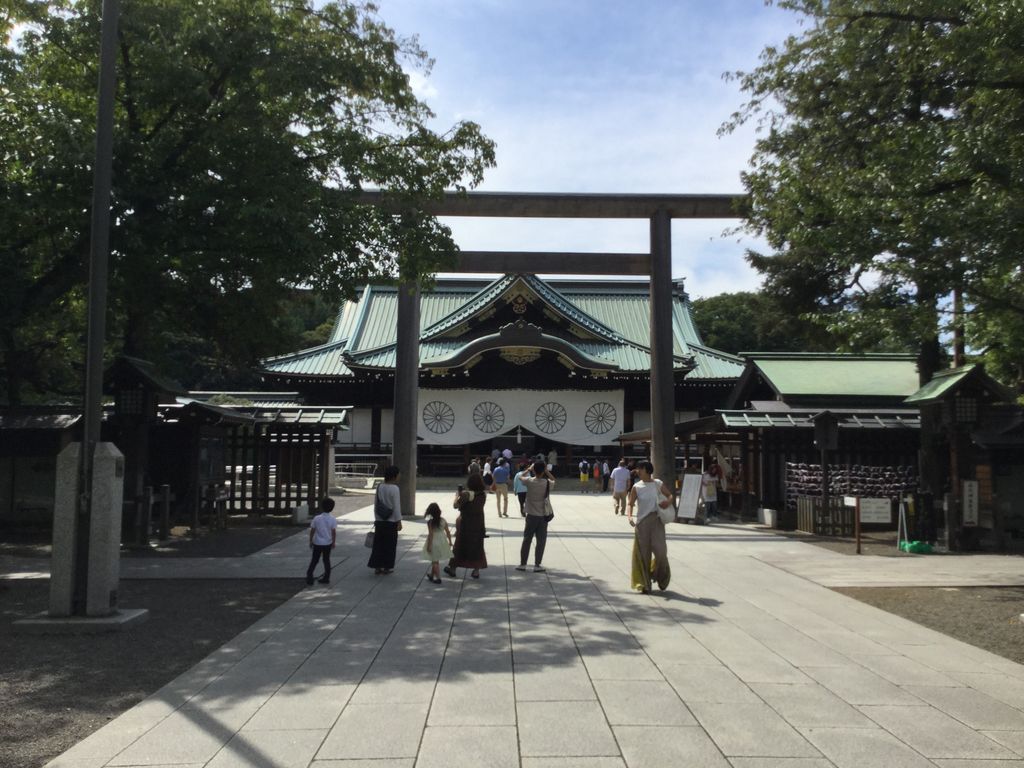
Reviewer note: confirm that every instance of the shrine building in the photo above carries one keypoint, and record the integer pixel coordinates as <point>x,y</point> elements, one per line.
<point>516,362</point>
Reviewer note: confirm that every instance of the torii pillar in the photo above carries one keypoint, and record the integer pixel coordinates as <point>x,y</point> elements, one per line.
<point>662,375</point>
<point>407,371</point>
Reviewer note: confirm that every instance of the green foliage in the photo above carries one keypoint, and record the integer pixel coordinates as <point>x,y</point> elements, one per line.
<point>889,169</point>
<point>245,131</point>
<point>755,322</point>
<point>224,399</point>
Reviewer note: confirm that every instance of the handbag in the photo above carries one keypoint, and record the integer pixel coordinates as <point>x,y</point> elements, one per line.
<point>667,514</point>
<point>549,513</point>
<point>368,541</point>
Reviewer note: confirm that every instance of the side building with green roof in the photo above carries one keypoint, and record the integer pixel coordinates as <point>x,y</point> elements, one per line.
<point>773,410</point>
<point>517,362</point>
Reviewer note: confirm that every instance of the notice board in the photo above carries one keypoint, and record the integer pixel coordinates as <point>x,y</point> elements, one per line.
<point>689,498</point>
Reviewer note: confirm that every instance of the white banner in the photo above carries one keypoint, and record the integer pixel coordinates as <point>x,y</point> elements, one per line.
<point>462,416</point>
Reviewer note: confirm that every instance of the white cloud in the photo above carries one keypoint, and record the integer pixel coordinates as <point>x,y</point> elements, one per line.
<point>422,87</point>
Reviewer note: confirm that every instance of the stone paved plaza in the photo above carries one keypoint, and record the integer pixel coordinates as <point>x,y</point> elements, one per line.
<point>748,660</point>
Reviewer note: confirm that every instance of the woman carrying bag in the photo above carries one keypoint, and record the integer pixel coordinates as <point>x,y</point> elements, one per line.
<point>538,482</point>
<point>387,522</point>
<point>648,496</point>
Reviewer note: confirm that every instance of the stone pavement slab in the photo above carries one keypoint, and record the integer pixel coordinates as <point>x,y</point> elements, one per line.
<point>748,660</point>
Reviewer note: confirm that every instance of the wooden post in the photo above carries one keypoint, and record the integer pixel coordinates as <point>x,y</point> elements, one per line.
<point>232,484</point>
<point>165,512</point>
<point>747,470</point>
<point>662,378</point>
<point>856,524</point>
<point>194,492</point>
<point>407,365</point>
<point>145,516</point>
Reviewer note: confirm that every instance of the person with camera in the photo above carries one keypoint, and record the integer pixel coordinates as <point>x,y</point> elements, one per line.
<point>538,482</point>
<point>468,551</point>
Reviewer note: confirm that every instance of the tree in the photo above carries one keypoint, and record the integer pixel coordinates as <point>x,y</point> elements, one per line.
<point>889,169</point>
<point>245,131</point>
<point>755,322</point>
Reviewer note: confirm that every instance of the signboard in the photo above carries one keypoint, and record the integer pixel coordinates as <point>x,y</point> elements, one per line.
<point>970,505</point>
<point>689,496</point>
<point>876,511</point>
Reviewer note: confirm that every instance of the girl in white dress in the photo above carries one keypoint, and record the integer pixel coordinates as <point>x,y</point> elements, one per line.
<point>438,546</point>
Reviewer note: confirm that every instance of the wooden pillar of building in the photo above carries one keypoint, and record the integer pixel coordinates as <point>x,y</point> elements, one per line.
<point>407,365</point>
<point>662,380</point>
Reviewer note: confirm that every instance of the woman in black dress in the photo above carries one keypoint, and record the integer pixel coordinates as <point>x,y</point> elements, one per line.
<point>468,551</point>
<point>387,522</point>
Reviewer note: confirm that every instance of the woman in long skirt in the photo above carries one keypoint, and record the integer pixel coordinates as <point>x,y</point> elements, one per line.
<point>650,552</point>
<point>468,551</point>
<point>387,522</point>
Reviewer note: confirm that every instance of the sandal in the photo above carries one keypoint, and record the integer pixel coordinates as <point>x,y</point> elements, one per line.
<point>475,574</point>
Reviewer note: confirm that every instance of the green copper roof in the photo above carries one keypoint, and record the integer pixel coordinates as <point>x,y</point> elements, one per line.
<point>838,375</point>
<point>944,383</point>
<point>612,318</point>
<point>941,384</point>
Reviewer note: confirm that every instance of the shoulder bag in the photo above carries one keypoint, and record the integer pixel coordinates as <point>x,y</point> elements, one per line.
<point>381,511</point>
<point>549,513</point>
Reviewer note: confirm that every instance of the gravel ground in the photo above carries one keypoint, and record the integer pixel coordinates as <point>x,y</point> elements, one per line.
<point>55,690</point>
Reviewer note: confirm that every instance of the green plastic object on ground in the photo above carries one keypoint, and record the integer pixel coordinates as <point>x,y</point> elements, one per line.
<point>916,547</point>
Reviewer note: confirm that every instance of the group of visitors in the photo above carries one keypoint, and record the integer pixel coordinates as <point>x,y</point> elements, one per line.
<point>636,493</point>
<point>595,475</point>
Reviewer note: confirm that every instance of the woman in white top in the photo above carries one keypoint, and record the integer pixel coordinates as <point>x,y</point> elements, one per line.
<point>646,496</point>
<point>387,522</point>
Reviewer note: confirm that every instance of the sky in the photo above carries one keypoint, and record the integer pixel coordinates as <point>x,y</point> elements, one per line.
<point>600,96</point>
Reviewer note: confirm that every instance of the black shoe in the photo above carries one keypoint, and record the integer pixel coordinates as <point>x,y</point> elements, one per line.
<point>450,571</point>
<point>309,582</point>
<point>323,581</point>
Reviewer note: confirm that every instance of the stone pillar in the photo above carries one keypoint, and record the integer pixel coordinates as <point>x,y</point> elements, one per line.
<point>662,379</point>
<point>407,365</point>
<point>104,532</point>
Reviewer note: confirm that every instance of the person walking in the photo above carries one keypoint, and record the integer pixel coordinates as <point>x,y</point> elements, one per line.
<point>538,482</point>
<point>387,522</point>
<point>709,481</point>
<point>606,475</point>
<point>620,487</point>
<point>468,551</point>
<point>500,477</point>
<point>438,545</point>
<point>584,476</point>
<point>647,495</point>
<point>519,489</point>
<point>552,461</point>
<point>323,532</point>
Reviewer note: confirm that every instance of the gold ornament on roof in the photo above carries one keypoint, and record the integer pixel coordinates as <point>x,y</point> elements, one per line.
<point>520,355</point>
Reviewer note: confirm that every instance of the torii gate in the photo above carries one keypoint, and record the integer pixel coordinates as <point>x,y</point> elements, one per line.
<point>657,263</point>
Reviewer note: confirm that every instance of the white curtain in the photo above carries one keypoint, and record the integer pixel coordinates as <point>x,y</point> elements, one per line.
<point>457,417</point>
